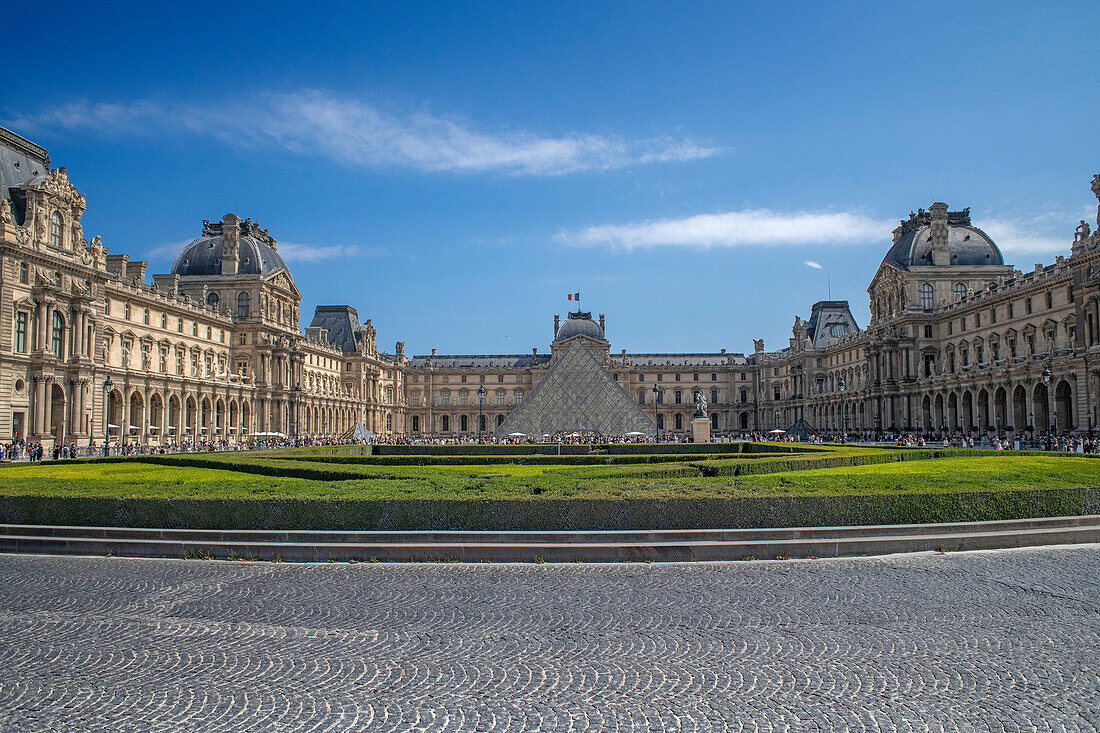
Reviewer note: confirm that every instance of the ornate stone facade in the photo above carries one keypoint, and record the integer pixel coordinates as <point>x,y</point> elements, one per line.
<point>213,349</point>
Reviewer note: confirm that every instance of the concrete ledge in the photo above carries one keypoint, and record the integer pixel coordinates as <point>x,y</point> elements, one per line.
<point>512,546</point>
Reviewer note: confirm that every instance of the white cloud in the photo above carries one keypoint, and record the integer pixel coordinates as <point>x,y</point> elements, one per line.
<point>167,251</point>
<point>749,227</point>
<point>815,265</point>
<point>354,132</point>
<point>1016,237</point>
<point>293,252</point>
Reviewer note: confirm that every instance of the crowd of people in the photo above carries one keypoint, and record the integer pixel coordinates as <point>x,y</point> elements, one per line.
<point>25,451</point>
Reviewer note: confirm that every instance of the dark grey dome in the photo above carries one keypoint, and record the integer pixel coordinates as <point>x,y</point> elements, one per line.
<point>579,323</point>
<point>256,253</point>
<point>967,244</point>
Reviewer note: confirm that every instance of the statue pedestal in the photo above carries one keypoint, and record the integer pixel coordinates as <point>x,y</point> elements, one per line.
<point>700,430</point>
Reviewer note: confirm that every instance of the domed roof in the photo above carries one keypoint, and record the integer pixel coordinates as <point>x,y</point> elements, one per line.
<point>579,323</point>
<point>967,244</point>
<point>256,253</point>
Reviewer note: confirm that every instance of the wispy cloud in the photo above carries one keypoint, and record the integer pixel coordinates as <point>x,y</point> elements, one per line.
<point>815,265</point>
<point>1043,234</point>
<point>356,132</point>
<point>294,252</point>
<point>749,227</point>
<point>289,251</point>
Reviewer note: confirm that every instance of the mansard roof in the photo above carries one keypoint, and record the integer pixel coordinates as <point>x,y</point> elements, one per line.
<point>256,253</point>
<point>341,322</point>
<point>967,244</point>
<point>21,163</point>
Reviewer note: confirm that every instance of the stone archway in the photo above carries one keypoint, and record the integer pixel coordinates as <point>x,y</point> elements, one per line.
<point>1041,411</point>
<point>135,429</point>
<point>57,412</point>
<point>1063,407</point>
<point>1000,411</point>
<point>1019,409</point>
<point>174,414</point>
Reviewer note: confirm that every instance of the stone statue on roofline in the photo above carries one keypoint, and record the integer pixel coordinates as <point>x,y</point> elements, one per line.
<point>1096,192</point>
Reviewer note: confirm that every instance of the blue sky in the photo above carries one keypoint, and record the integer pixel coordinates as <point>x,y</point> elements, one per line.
<point>454,170</point>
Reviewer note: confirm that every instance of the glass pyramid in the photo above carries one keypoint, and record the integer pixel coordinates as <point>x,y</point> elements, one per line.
<point>577,395</point>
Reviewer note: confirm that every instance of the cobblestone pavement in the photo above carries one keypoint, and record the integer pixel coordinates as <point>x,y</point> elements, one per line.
<point>1006,640</point>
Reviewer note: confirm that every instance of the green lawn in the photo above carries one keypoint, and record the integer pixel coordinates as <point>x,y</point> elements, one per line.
<point>243,477</point>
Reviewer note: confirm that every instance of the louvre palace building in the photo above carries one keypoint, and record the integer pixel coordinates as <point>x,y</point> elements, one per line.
<point>91,342</point>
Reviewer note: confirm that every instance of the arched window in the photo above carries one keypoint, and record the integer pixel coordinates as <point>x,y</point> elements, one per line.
<point>212,300</point>
<point>242,305</point>
<point>462,426</point>
<point>416,423</point>
<point>58,335</point>
<point>500,420</point>
<point>926,296</point>
<point>446,424</point>
<point>679,422</point>
<point>960,291</point>
<point>660,422</point>
<point>55,229</point>
<point>714,421</point>
<point>481,423</point>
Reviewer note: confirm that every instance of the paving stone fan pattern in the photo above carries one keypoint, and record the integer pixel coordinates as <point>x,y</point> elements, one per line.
<point>1003,641</point>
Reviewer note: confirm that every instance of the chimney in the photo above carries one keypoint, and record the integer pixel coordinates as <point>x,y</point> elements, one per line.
<point>897,234</point>
<point>230,243</point>
<point>601,323</point>
<point>941,255</point>
<point>557,320</point>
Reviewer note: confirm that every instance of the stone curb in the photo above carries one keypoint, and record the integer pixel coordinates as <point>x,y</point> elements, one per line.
<point>578,546</point>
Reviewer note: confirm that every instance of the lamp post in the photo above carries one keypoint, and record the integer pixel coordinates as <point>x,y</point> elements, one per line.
<point>297,402</point>
<point>1031,424</point>
<point>1090,423</point>
<point>656,418</point>
<point>480,409</point>
<point>107,384</point>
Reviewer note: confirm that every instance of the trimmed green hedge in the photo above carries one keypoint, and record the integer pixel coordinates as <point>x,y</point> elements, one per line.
<point>553,514</point>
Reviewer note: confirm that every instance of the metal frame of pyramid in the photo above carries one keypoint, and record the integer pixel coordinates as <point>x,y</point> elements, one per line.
<point>577,395</point>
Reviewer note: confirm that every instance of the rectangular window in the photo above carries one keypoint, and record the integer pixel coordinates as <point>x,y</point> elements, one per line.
<point>23,276</point>
<point>500,399</point>
<point>659,377</point>
<point>744,396</point>
<point>21,332</point>
<point>928,331</point>
<point>444,398</point>
<point>519,396</point>
<point>464,379</point>
<point>126,311</point>
<point>714,377</point>
<point>1028,303</point>
<point>1050,299</point>
<point>179,362</point>
<point>714,396</point>
<point>145,317</point>
<point>641,396</point>
<point>163,361</point>
<point>679,397</point>
<point>977,320</point>
<point>464,398</point>
<point>677,377</point>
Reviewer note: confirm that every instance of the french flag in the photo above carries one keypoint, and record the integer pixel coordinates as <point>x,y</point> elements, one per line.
<point>573,296</point>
